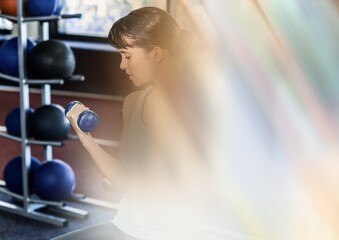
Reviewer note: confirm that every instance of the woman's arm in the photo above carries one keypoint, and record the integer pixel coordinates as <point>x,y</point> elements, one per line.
<point>108,165</point>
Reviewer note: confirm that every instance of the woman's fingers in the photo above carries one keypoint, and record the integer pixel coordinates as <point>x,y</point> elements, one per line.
<point>73,115</point>
<point>74,112</point>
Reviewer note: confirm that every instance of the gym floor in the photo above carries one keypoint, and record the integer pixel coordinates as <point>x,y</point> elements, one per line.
<point>14,227</point>
<point>89,180</point>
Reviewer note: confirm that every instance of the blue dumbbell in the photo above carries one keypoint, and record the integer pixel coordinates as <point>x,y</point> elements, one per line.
<point>88,120</point>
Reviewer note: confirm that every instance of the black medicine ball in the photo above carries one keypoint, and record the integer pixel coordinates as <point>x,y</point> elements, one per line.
<point>49,123</point>
<point>51,59</point>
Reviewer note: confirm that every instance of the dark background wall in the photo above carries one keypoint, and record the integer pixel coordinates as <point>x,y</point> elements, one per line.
<point>102,72</point>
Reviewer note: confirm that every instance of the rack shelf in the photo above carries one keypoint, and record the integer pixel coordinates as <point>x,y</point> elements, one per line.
<point>43,81</point>
<point>9,78</point>
<point>42,18</point>
<point>32,199</point>
<point>4,134</point>
<point>75,78</point>
<point>11,137</point>
<point>36,203</point>
<point>45,143</point>
<point>70,137</point>
<point>32,213</point>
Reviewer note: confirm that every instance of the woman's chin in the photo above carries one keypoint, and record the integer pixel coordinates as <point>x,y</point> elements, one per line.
<point>135,82</point>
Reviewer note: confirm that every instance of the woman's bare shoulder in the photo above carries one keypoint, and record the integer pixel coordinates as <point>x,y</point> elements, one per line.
<point>128,105</point>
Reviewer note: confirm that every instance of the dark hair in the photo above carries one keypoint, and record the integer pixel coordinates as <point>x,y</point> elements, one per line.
<point>147,28</point>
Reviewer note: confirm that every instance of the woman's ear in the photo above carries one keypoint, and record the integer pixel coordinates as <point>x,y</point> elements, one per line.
<point>158,54</point>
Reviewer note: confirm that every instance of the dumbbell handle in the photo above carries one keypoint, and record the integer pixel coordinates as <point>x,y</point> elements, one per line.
<point>87,121</point>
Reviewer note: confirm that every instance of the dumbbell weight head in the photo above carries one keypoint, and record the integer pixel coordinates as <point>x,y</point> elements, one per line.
<point>88,121</point>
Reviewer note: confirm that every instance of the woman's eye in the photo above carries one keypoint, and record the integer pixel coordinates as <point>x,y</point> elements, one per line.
<point>128,57</point>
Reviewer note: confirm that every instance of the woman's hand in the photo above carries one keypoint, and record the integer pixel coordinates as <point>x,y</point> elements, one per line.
<point>73,115</point>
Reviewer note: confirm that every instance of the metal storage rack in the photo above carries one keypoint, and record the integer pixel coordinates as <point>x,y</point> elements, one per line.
<point>28,205</point>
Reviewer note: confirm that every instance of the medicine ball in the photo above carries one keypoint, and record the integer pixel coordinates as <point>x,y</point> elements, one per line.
<point>13,124</point>
<point>9,56</point>
<point>59,7</point>
<point>41,8</point>
<point>51,59</point>
<point>13,174</point>
<point>49,123</point>
<point>9,7</point>
<point>54,180</point>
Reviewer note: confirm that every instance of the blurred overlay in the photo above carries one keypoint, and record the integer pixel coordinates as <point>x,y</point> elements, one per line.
<point>265,93</point>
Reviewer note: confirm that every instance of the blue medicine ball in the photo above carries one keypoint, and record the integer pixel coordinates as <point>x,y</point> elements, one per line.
<point>13,124</point>
<point>59,7</point>
<point>13,174</point>
<point>41,7</point>
<point>9,56</point>
<point>54,180</point>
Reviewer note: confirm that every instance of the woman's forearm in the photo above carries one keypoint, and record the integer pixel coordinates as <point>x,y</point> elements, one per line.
<point>109,165</point>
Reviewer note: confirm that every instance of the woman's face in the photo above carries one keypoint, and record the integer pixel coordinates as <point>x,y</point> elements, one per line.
<point>141,66</point>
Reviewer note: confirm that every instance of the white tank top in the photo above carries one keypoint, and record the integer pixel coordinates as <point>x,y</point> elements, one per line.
<point>142,214</point>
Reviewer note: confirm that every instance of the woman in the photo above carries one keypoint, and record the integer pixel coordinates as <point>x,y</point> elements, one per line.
<point>158,169</point>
